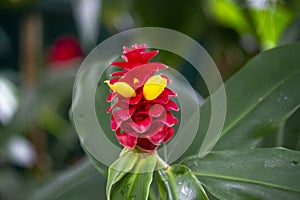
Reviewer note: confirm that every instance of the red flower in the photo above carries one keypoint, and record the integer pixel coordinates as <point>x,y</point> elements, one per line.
<point>64,50</point>
<point>141,105</point>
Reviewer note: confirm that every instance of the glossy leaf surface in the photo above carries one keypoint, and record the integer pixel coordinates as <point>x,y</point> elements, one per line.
<point>262,95</point>
<point>270,173</point>
<point>257,106</point>
<point>178,182</point>
<point>134,181</point>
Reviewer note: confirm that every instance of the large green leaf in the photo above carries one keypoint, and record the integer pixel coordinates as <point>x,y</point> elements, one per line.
<point>80,182</point>
<point>134,184</point>
<point>178,182</point>
<point>291,132</point>
<point>287,135</point>
<point>270,173</point>
<point>261,96</point>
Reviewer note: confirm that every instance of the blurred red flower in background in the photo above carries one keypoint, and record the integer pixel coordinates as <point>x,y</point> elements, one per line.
<point>63,52</point>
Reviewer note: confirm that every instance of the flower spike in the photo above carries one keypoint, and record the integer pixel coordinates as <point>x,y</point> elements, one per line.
<point>141,105</point>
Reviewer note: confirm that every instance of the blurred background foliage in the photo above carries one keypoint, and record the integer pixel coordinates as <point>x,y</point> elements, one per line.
<point>43,42</point>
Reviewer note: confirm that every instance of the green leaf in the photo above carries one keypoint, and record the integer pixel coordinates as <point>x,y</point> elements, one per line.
<point>167,184</point>
<point>292,32</point>
<point>266,21</point>
<point>126,162</point>
<point>270,173</point>
<point>287,135</point>
<point>291,136</point>
<point>178,182</point>
<point>262,95</point>
<point>234,15</point>
<point>270,22</point>
<point>80,182</point>
<point>270,80</point>
<point>134,179</point>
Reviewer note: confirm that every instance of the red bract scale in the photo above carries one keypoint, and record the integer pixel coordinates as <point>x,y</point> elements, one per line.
<point>140,101</point>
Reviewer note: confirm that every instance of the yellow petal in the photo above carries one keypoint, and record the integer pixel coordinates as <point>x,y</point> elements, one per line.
<point>135,80</point>
<point>154,86</point>
<point>110,85</point>
<point>124,89</point>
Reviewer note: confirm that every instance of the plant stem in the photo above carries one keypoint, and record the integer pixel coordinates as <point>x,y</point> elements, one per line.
<point>161,163</point>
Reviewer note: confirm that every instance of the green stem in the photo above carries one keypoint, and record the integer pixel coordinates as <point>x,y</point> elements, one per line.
<point>161,163</point>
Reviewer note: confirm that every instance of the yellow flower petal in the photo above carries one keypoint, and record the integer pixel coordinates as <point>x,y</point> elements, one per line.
<point>154,86</point>
<point>135,80</point>
<point>110,85</point>
<point>124,89</point>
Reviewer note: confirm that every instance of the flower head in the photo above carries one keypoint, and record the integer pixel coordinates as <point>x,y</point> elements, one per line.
<point>141,105</point>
